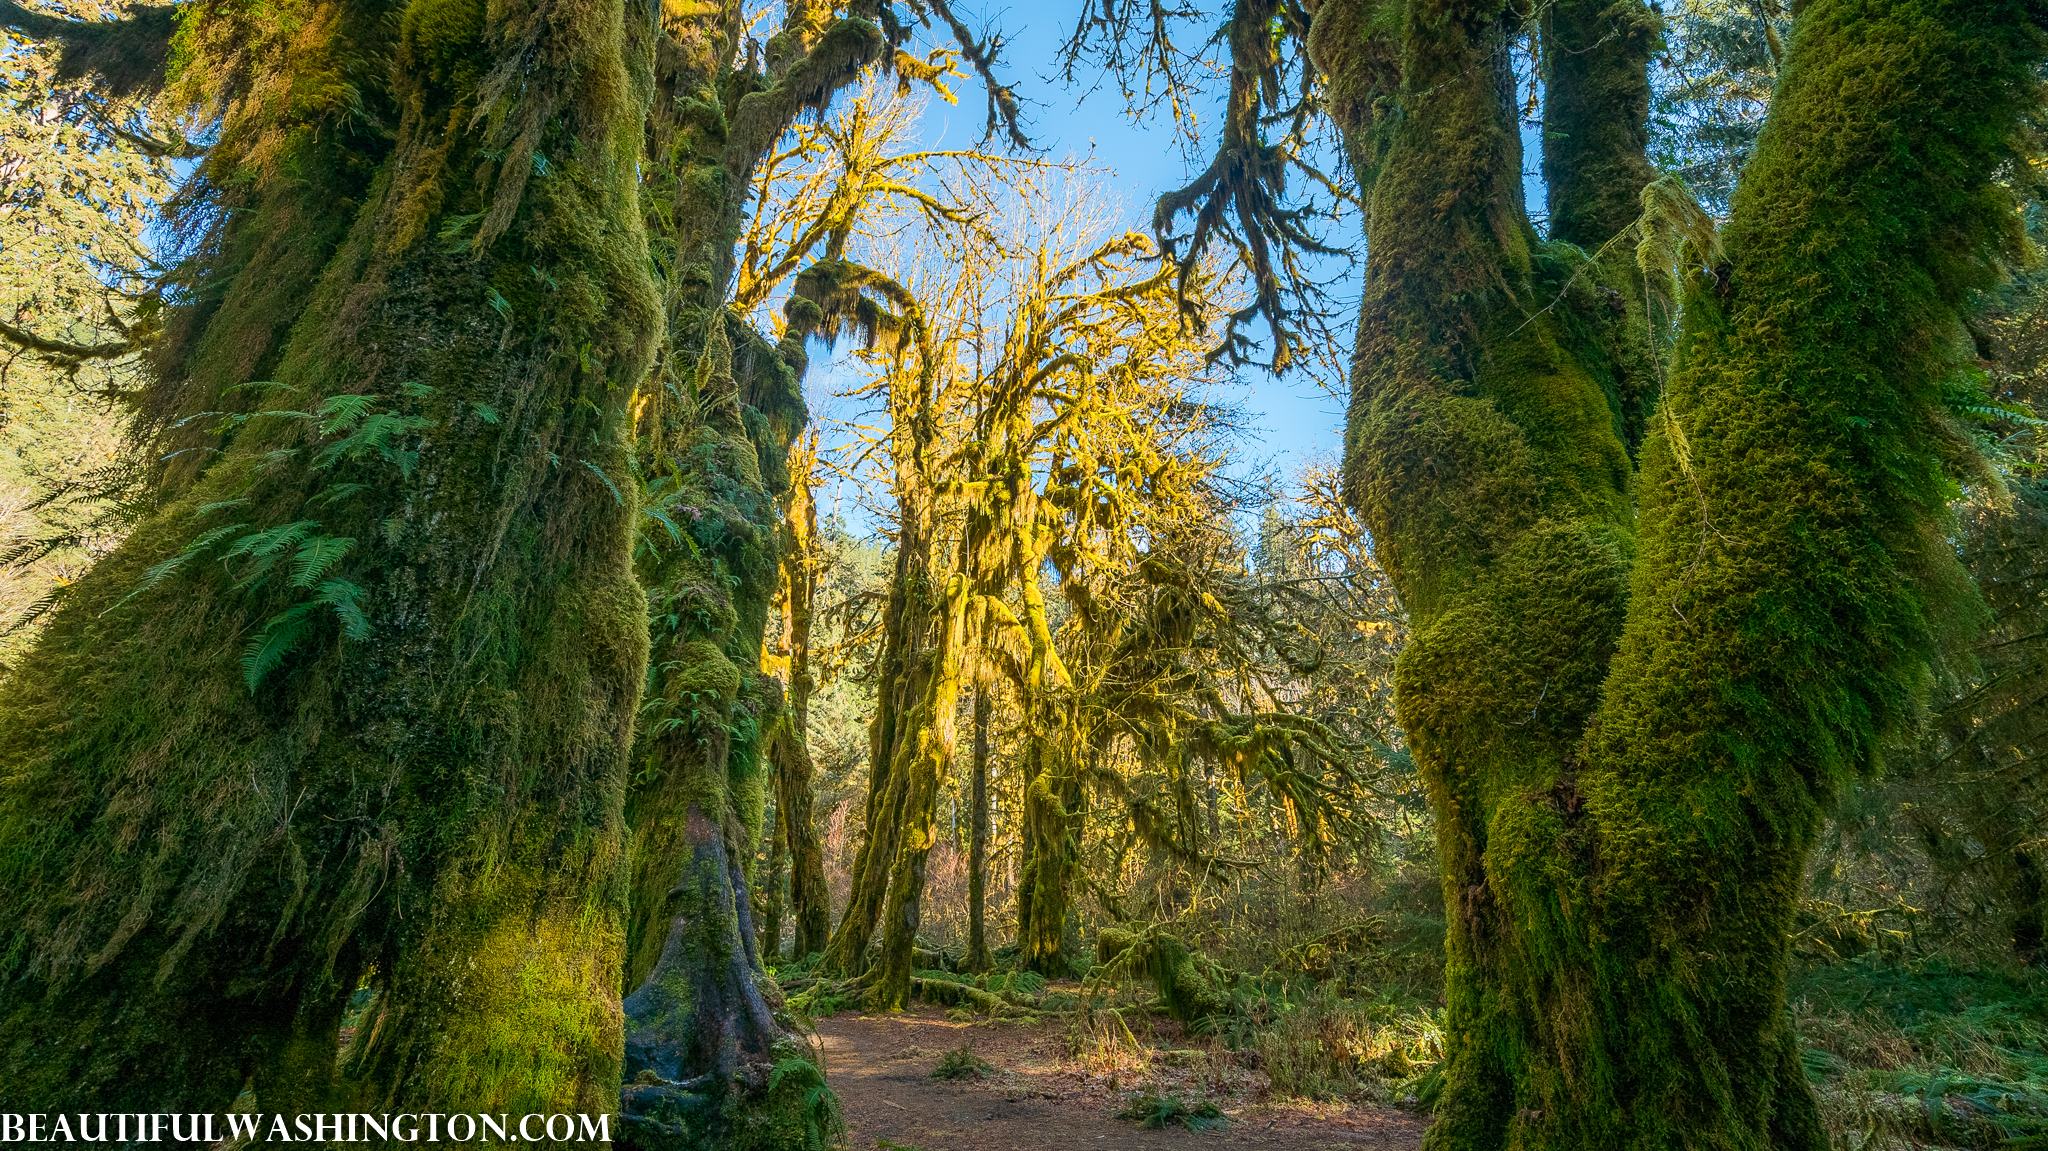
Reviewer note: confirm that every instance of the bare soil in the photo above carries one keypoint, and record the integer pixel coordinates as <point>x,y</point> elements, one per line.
<point>1049,1090</point>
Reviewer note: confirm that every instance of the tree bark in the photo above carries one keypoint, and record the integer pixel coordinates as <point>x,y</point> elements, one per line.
<point>809,897</point>
<point>1052,817</point>
<point>773,882</point>
<point>926,762</point>
<point>374,720</point>
<point>977,842</point>
<point>909,666</point>
<point>710,1060</point>
<point>1629,721</point>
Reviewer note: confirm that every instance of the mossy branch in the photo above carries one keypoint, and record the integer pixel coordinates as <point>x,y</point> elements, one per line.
<point>64,353</point>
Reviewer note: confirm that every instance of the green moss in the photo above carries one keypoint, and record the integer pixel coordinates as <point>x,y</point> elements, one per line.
<point>711,1059</point>
<point>429,795</point>
<point>1630,696</point>
<point>1194,987</point>
<point>1596,114</point>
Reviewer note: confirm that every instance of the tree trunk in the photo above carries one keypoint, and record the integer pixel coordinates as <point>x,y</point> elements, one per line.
<point>926,763</point>
<point>868,882</point>
<point>236,784</point>
<point>809,897</point>
<point>1053,815</point>
<point>977,842</point>
<point>2028,896</point>
<point>1629,722</point>
<point>709,1061</point>
<point>772,882</point>
<point>909,665</point>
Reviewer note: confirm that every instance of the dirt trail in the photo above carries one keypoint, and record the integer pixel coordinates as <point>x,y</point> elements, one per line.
<point>881,1067</point>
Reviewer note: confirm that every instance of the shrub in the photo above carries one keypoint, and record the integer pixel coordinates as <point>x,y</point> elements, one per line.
<point>962,1063</point>
<point>1153,1112</point>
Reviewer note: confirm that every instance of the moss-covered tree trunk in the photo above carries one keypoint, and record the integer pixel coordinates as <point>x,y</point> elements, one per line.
<point>1052,820</point>
<point>924,760</point>
<point>773,881</point>
<point>710,1060</point>
<point>356,701</point>
<point>704,1038</point>
<point>977,839</point>
<point>908,666</point>
<point>810,900</point>
<point>1631,694</point>
<point>901,668</point>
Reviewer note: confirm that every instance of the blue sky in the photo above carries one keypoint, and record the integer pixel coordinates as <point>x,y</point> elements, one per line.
<point>1293,418</point>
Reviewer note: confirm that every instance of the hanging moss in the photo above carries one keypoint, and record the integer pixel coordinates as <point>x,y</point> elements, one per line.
<point>1631,695</point>
<point>1193,987</point>
<point>356,701</point>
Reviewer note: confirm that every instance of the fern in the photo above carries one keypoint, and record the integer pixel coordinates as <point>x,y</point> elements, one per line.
<point>820,1108</point>
<point>313,557</point>
<point>338,413</point>
<point>661,517</point>
<point>334,492</point>
<point>269,542</point>
<point>159,572</point>
<point>455,232</point>
<point>279,637</point>
<point>1970,398</point>
<point>263,548</point>
<point>282,634</point>
<point>374,434</point>
<point>1154,1112</point>
<point>347,601</point>
<point>962,1063</point>
<point>599,473</point>
<point>317,555</point>
<point>801,1068</point>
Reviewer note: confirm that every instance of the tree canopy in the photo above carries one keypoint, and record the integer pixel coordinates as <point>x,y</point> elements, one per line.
<point>439,662</point>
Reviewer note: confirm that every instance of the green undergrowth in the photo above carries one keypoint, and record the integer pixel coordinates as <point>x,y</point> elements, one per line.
<point>1153,1112</point>
<point>1924,1054</point>
<point>1321,1045</point>
<point>1017,997</point>
<point>822,999</point>
<point>1015,982</point>
<point>962,1063</point>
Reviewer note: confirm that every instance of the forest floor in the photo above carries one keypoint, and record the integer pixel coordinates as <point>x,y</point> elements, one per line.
<point>1046,1089</point>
